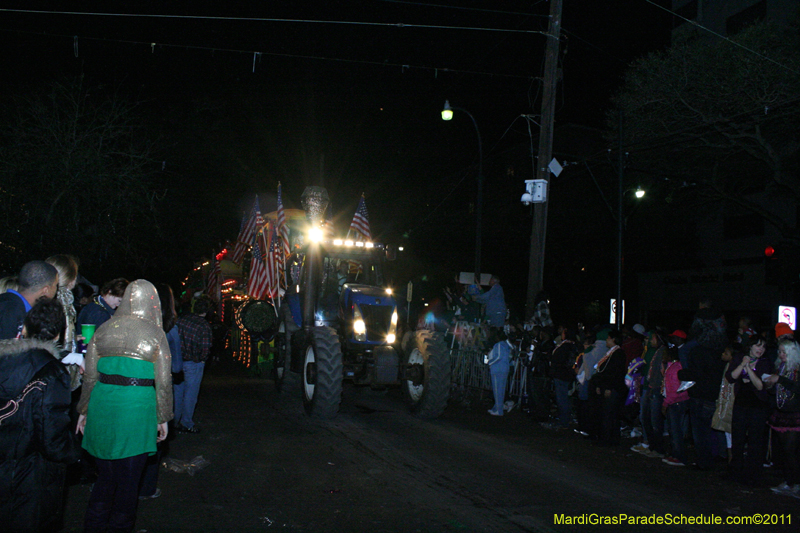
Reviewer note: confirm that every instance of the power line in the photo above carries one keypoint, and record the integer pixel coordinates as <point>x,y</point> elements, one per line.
<point>264,19</point>
<point>462,8</point>
<point>256,53</point>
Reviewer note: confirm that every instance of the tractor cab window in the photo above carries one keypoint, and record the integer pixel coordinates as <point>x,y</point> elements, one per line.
<point>329,290</point>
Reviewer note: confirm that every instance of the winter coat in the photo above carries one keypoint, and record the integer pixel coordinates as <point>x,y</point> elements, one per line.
<point>562,360</point>
<point>36,442</point>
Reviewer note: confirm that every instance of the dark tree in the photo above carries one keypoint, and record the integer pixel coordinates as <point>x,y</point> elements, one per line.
<point>78,177</point>
<point>719,120</point>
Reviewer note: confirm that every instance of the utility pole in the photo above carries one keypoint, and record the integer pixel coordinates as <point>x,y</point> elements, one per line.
<point>550,83</point>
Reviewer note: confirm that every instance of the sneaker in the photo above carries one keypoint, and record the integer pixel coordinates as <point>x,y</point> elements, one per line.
<point>672,461</point>
<point>183,429</point>
<point>153,496</point>
<point>685,385</point>
<point>640,448</point>
<point>636,432</point>
<point>794,491</point>
<point>654,454</point>
<point>508,406</point>
<point>494,413</point>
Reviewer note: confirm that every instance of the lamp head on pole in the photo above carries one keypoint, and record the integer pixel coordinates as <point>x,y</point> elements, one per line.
<point>639,192</point>
<point>447,111</point>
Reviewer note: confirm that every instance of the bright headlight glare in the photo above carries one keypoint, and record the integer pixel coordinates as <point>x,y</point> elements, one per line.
<point>359,327</point>
<point>390,338</point>
<point>315,234</point>
<point>394,318</point>
<point>389,291</point>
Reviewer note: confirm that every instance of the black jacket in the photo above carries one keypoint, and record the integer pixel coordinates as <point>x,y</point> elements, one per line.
<point>610,373</point>
<point>705,368</point>
<point>36,441</point>
<point>562,359</point>
<point>12,315</point>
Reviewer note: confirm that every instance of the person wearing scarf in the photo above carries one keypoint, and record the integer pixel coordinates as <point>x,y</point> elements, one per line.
<point>785,419</point>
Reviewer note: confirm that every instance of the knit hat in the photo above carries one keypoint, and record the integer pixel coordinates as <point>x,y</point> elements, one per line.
<point>678,333</point>
<point>781,328</point>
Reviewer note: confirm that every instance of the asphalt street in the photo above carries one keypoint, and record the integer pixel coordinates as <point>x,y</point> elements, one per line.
<point>377,469</point>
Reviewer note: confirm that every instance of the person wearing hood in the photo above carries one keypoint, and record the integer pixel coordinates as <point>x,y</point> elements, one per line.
<point>701,363</point>
<point>594,350</point>
<point>36,442</point>
<point>125,404</point>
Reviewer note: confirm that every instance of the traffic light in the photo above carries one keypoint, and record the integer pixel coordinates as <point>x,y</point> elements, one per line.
<point>781,265</point>
<point>772,266</point>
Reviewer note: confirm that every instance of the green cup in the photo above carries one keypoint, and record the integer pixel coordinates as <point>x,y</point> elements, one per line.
<point>87,330</point>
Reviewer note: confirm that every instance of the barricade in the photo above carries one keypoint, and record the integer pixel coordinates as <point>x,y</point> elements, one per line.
<point>470,376</point>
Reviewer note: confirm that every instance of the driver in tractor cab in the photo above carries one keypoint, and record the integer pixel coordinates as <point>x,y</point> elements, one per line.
<point>344,269</point>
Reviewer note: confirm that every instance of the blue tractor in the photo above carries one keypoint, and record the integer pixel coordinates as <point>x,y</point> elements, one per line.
<point>339,322</point>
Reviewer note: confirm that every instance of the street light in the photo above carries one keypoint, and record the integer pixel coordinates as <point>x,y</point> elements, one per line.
<point>447,114</point>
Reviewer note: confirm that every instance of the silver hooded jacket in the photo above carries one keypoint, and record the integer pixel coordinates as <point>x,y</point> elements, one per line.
<point>134,331</point>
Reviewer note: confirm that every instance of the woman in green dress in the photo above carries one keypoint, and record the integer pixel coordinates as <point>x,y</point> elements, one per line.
<point>125,404</point>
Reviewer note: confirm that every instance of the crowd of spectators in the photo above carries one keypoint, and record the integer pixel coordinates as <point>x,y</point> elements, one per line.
<point>87,380</point>
<point>701,397</point>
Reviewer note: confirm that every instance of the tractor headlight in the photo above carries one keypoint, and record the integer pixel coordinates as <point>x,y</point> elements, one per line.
<point>391,336</point>
<point>359,326</point>
<point>315,234</point>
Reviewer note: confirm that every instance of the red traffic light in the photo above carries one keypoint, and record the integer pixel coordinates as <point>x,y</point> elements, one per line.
<point>769,251</point>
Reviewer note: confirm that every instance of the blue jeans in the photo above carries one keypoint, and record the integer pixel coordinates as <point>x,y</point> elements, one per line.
<point>678,413</point>
<point>563,401</point>
<point>700,412</point>
<point>652,419</point>
<point>499,380</point>
<point>186,393</point>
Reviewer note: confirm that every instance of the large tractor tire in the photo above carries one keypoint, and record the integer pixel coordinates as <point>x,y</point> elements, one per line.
<point>426,379</point>
<point>285,380</point>
<point>322,373</point>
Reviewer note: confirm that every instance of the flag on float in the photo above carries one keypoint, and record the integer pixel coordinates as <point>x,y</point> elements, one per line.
<point>360,223</point>
<point>240,248</point>
<point>273,263</point>
<point>213,287</point>
<point>283,229</point>
<point>258,282</point>
<point>248,232</point>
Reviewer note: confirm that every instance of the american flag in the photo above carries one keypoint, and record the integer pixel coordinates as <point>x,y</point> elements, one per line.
<point>213,286</point>
<point>241,248</point>
<point>283,229</point>
<point>360,223</point>
<point>258,283</point>
<point>248,233</point>
<point>273,261</point>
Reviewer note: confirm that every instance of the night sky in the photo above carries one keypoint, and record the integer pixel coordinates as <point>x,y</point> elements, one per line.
<point>352,106</point>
